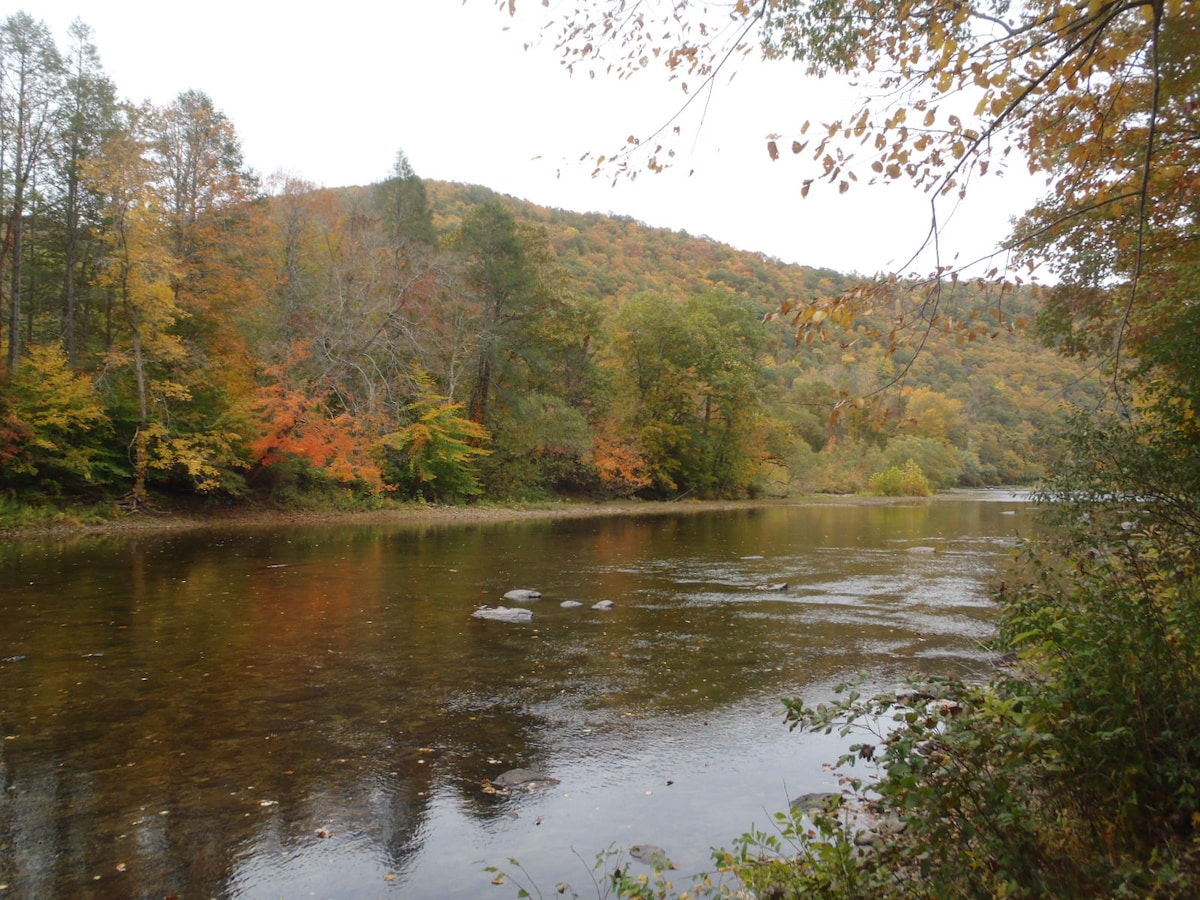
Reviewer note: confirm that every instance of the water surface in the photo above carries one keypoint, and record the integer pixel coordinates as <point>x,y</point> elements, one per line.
<point>312,711</point>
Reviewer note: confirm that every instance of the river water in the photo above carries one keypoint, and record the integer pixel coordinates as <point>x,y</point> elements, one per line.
<point>313,712</point>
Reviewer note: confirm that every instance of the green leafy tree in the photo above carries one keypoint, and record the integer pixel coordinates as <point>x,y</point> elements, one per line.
<point>906,480</point>
<point>533,333</point>
<point>435,455</point>
<point>689,374</point>
<point>503,283</point>
<point>542,447</point>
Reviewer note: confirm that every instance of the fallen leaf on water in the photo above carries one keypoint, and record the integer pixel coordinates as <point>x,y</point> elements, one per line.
<point>390,876</point>
<point>120,867</point>
<point>499,879</point>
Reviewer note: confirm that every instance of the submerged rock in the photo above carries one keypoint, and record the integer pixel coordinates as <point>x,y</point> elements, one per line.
<point>522,781</point>
<point>571,604</point>
<point>503,614</point>
<point>651,855</point>
<point>523,594</point>
<point>603,604</point>
<point>821,801</point>
<point>774,587</point>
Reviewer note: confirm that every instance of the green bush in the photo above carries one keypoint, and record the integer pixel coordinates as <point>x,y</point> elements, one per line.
<point>900,481</point>
<point>940,463</point>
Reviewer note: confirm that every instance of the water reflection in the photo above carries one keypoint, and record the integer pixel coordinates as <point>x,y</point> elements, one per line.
<point>311,710</point>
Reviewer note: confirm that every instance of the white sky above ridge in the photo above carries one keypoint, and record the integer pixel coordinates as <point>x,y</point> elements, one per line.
<point>330,93</point>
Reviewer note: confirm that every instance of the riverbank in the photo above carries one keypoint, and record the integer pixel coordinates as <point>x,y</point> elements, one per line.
<point>179,518</point>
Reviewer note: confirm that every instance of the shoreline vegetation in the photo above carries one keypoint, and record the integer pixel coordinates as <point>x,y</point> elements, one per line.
<point>181,518</point>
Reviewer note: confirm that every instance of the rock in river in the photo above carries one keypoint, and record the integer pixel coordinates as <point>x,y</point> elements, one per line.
<point>522,595</point>
<point>571,604</point>
<point>603,604</point>
<point>651,855</point>
<point>820,802</point>
<point>522,781</point>
<point>503,614</point>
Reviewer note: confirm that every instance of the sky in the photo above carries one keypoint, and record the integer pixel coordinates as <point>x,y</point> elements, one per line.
<point>331,92</point>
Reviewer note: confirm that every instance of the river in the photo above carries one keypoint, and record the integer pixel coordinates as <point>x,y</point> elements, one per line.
<point>312,711</point>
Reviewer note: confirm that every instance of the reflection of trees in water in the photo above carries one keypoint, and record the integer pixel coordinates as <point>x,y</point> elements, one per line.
<point>485,736</point>
<point>194,706</point>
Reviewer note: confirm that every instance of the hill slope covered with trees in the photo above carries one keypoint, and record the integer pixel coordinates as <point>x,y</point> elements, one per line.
<point>175,324</point>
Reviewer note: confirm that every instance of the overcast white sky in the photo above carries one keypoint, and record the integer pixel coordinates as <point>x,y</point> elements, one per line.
<point>330,92</point>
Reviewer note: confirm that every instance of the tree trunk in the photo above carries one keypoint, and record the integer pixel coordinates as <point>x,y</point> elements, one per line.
<point>137,497</point>
<point>483,387</point>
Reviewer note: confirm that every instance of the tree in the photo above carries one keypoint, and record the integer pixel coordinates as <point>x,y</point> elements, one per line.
<point>31,88</point>
<point>298,424</point>
<point>404,206</point>
<point>88,113</point>
<point>64,421</point>
<point>202,167</point>
<point>139,269</point>
<point>352,306</point>
<point>434,455</point>
<point>689,374</point>
<point>533,350</point>
<point>501,282</point>
<point>216,231</point>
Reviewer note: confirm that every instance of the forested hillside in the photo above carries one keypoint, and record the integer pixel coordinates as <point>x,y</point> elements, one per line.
<point>174,324</point>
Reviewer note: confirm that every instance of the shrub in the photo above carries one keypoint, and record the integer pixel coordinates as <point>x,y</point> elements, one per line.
<point>900,481</point>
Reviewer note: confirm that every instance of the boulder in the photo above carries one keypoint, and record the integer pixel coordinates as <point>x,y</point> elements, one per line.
<point>503,614</point>
<point>523,595</point>
<point>603,604</point>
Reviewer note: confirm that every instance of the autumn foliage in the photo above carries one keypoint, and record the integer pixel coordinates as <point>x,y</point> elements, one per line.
<point>226,334</point>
